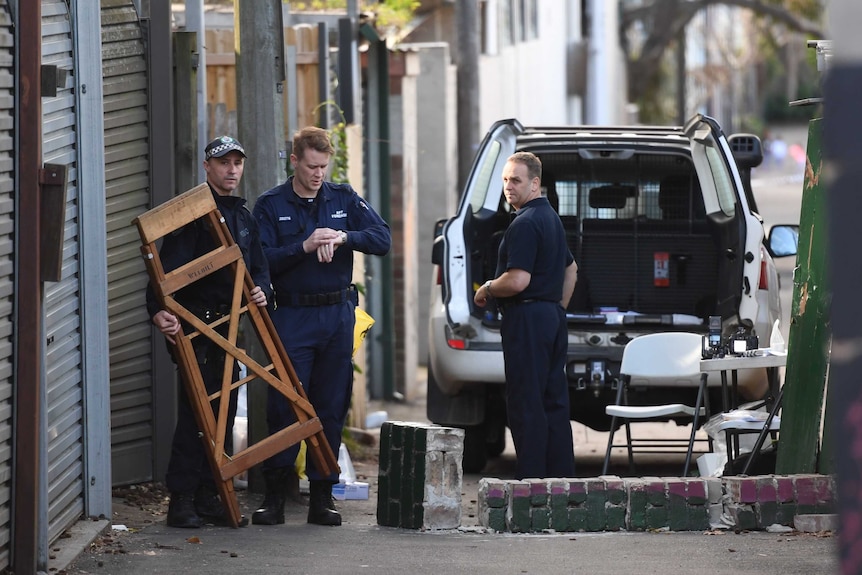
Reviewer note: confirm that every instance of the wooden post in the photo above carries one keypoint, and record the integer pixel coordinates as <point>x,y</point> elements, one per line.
<point>808,346</point>
<point>185,96</point>
<point>259,41</point>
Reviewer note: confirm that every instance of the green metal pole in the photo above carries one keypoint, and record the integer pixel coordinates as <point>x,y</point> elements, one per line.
<point>810,331</point>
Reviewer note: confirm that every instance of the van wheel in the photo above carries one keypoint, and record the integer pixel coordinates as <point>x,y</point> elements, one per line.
<point>475,449</point>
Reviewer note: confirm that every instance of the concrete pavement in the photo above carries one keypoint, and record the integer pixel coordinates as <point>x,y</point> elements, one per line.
<point>361,546</point>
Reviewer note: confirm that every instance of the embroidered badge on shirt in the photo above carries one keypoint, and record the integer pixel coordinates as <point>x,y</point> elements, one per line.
<point>284,218</point>
<point>339,214</point>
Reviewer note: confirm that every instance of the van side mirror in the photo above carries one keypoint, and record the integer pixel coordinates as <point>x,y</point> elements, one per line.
<point>783,240</point>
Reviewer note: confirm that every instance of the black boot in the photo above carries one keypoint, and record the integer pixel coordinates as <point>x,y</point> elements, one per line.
<point>210,509</point>
<point>321,507</point>
<point>271,511</point>
<point>181,511</point>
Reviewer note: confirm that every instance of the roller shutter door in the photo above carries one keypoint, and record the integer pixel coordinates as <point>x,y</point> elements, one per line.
<point>127,166</point>
<point>63,363</point>
<point>7,113</point>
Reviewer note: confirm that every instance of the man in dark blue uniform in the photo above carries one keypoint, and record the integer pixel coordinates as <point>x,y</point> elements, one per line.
<point>309,229</point>
<point>194,498</point>
<point>536,275</point>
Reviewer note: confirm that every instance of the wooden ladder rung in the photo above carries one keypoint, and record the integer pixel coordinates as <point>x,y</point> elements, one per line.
<point>199,268</point>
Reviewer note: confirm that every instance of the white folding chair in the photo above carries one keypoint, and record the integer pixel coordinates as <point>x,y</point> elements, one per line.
<point>669,359</point>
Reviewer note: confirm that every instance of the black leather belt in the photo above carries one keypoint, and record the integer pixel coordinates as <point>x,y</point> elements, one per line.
<point>312,299</point>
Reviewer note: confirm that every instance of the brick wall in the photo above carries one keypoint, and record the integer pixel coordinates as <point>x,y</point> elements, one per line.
<point>610,503</point>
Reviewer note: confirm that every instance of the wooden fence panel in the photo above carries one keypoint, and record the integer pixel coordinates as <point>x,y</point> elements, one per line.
<point>221,79</point>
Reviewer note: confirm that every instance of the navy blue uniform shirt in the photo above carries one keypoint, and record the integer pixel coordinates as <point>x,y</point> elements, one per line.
<point>536,243</point>
<point>286,220</point>
<point>194,240</point>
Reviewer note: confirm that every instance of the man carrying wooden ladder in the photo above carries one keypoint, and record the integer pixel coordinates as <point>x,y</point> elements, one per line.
<point>194,497</point>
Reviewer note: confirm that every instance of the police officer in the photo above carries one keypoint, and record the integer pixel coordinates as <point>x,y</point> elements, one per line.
<point>309,229</point>
<point>189,479</point>
<point>536,275</point>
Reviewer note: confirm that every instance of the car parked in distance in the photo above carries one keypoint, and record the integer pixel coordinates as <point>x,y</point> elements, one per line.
<point>664,227</point>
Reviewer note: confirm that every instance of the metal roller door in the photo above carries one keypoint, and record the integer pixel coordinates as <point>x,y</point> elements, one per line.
<point>7,112</point>
<point>127,165</point>
<point>63,364</point>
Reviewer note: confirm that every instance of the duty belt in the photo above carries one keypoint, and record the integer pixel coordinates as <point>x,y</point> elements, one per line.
<point>210,313</point>
<point>312,299</point>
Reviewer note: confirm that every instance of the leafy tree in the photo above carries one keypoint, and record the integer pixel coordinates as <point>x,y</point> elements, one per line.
<point>651,27</point>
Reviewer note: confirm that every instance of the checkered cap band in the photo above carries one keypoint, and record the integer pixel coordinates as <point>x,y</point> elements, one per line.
<point>221,146</point>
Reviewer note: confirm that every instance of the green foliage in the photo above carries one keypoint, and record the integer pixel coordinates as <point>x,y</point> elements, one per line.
<point>338,137</point>
<point>389,13</point>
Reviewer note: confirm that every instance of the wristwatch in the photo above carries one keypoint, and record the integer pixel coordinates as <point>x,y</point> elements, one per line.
<point>343,236</point>
<point>487,287</point>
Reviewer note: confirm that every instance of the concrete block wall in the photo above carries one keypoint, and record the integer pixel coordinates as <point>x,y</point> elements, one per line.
<point>420,476</point>
<point>609,503</point>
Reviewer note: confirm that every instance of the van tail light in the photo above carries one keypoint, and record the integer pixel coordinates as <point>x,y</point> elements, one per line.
<point>764,276</point>
<point>456,343</point>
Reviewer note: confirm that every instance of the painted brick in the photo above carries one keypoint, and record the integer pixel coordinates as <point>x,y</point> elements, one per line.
<point>767,513</point>
<point>698,517</point>
<point>786,513</point>
<point>559,505</point>
<point>493,493</point>
<point>395,472</point>
<point>596,499</point>
<point>418,487</point>
<point>676,487</point>
<point>616,490</point>
<point>806,493</point>
<point>656,491</point>
<point>577,492</point>
<point>784,489</point>
<point>677,508</point>
<point>495,519</point>
<point>823,489</point>
<point>742,489</point>
<point>393,513</point>
<point>637,505</point>
<point>742,515</point>
<point>518,518</point>
<point>696,492</point>
<point>656,517</point>
<point>540,519</point>
<point>383,501</point>
<point>577,519</point>
<point>766,490</point>
<point>616,517</point>
<point>539,492</point>
<point>385,447</point>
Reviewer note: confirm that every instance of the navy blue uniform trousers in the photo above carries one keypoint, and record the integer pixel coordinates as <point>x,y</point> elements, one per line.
<point>535,339</point>
<point>319,342</point>
<point>188,466</point>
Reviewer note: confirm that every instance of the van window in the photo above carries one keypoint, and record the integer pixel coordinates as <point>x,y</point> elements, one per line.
<point>482,181</point>
<point>723,181</point>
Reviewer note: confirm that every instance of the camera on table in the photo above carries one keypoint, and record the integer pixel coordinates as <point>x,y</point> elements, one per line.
<point>739,344</point>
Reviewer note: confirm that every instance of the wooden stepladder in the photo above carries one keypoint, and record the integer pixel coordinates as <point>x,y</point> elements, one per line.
<point>278,373</point>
